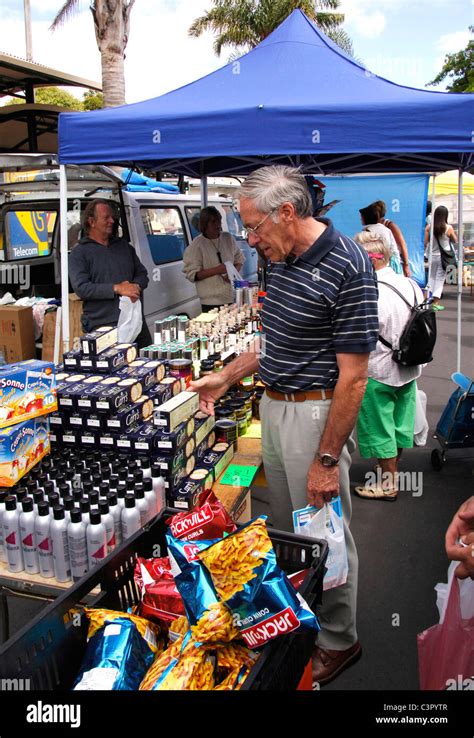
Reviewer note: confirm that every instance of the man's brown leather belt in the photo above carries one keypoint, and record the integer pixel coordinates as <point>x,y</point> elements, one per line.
<point>300,396</point>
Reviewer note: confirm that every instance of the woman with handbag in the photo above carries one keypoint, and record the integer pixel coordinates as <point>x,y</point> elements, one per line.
<point>444,253</point>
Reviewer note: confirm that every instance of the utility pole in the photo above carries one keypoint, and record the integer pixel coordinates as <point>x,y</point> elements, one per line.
<point>28,36</point>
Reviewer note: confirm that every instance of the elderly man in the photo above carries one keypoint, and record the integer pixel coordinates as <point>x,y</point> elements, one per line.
<point>319,326</point>
<point>103,267</point>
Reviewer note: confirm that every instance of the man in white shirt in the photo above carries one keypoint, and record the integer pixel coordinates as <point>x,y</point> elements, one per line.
<point>386,419</point>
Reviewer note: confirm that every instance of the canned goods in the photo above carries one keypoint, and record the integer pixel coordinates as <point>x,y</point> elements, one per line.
<point>226,431</point>
<point>182,369</point>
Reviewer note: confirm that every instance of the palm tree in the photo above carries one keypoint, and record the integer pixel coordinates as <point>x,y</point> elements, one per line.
<point>112,25</point>
<point>243,24</point>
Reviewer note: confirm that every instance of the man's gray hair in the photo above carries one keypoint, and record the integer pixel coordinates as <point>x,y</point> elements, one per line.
<point>270,187</point>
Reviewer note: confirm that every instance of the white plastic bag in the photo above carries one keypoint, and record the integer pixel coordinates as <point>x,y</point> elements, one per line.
<point>327,524</point>
<point>466,594</point>
<point>232,272</point>
<point>130,320</point>
<point>420,433</point>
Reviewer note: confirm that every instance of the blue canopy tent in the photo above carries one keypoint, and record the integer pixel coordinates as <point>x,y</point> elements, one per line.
<point>296,99</point>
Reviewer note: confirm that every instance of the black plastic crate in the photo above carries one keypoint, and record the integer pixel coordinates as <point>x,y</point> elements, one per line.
<point>49,651</point>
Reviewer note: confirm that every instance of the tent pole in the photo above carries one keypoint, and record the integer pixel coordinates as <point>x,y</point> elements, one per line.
<point>204,192</point>
<point>64,255</point>
<point>460,267</point>
<point>430,246</point>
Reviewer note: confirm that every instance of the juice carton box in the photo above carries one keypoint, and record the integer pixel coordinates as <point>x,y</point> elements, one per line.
<point>21,447</point>
<point>27,390</point>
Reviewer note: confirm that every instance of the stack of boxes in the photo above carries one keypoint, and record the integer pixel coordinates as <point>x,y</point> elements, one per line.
<point>27,394</point>
<point>111,401</point>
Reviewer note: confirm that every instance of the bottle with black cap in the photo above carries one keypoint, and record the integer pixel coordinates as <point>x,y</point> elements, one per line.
<point>88,488</point>
<point>11,535</point>
<point>145,466</point>
<point>31,486</point>
<point>3,551</point>
<point>64,490</point>
<point>42,479</point>
<point>108,521</point>
<point>96,539</point>
<point>68,502</point>
<point>60,479</point>
<point>105,472</point>
<point>21,493</point>
<point>85,508</point>
<point>77,496</point>
<point>49,487</point>
<point>53,499</point>
<point>132,465</point>
<point>121,492</point>
<point>158,486</point>
<point>116,512</point>
<point>96,480</point>
<point>77,541</point>
<point>130,517</point>
<point>142,504</point>
<point>94,500</point>
<point>113,482</point>
<point>150,497</point>
<point>138,476</point>
<point>104,490</point>
<point>45,465</point>
<point>38,497</point>
<point>27,536</point>
<point>123,474</point>
<point>43,540</point>
<point>70,478</point>
<point>61,559</point>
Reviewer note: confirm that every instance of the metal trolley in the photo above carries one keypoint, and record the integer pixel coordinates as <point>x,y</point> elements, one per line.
<point>455,428</point>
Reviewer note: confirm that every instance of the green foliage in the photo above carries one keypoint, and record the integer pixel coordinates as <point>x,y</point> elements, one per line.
<point>459,69</point>
<point>93,100</point>
<point>243,24</point>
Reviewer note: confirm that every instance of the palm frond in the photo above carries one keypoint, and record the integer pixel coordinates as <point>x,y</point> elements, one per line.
<point>69,8</point>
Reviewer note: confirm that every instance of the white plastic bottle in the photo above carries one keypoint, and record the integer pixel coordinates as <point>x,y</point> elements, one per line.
<point>3,550</point>
<point>96,539</point>
<point>77,542</point>
<point>145,466</point>
<point>150,497</point>
<point>68,503</point>
<point>130,517</point>
<point>158,487</point>
<point>142,504</point>
<point>121,491</point>
<point>116,512</point>
<point>108,521</point>
<point>27,536</point>
<point>61,560</point>
<point>11,535</point>
<point>43,540</point>
<point>38,497</point>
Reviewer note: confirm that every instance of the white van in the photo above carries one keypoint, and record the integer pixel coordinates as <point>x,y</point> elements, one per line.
<point>158,226</point>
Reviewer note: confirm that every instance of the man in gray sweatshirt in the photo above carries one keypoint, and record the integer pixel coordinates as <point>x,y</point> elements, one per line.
<point>103,267</point>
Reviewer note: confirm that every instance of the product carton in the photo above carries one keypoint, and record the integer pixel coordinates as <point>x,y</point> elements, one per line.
<point>27,390</point>
<point>21,447</point>
<point>17,337</point>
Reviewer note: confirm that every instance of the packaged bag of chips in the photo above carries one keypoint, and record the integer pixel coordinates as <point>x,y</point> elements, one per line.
<point>160,600</point>
<point>208,520</point>
<point>120,650</point>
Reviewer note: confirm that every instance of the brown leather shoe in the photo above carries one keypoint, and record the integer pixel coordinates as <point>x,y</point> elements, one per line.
<point>327,664</point>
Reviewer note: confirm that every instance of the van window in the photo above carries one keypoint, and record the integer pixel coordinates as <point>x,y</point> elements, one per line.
<point>29,233</point>
<point>165,234</point>
<point>234,223</point>
<point>193,220</point>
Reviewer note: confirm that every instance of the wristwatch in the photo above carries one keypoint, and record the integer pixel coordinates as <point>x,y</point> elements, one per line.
<point>328,459</point>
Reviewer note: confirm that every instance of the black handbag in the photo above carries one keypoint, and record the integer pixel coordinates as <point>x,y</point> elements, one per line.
<point>448,258</point>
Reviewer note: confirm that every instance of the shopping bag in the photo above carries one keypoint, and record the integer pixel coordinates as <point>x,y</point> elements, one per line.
<point>420,433</point>
<point>232,272</point>
<point>446,650</point>
<point>130,320</point>
<point>326,523</point>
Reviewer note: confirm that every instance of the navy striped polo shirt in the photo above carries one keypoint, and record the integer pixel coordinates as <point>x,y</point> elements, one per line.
<point>319,304</point>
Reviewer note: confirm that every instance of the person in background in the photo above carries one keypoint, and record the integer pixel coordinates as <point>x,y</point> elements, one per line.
<point>462,528</point>
<point>204,260</point>
<point>104,267</point>
<point>443,235</point>
<point>319,323</point>
<point>386,420</point>
<point>429,208</point>
<point>402,264</point>
<point>369,217</point>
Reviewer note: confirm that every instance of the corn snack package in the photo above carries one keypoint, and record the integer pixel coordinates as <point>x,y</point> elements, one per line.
<point>160,600</point>
<point>208,520</point>
<point>120,650</point>
<point>183,666</point>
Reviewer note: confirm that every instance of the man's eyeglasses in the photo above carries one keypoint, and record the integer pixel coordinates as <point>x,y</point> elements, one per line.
<point>249,230</point>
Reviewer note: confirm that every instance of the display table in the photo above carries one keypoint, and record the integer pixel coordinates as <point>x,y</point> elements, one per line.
<point>236,498</point>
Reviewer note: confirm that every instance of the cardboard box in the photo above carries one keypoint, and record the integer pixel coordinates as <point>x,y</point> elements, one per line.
<point>95,342</point>
<point>131,416</point>
<point>49,329</point>
<point>27,390</point>
<point>176,411</point>
<point>17,335</point>
<point>21,447</point>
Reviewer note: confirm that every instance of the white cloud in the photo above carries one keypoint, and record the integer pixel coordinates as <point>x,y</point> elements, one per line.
<point>368,25</point>
<point>452,42</point>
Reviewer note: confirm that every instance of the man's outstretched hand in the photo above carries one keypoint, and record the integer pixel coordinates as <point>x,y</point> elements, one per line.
<point>462,528</point>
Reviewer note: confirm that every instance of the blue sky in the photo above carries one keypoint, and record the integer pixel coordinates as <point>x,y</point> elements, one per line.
<point>402,40</point>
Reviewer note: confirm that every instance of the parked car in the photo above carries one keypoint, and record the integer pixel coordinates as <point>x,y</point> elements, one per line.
<point>159,226</point>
